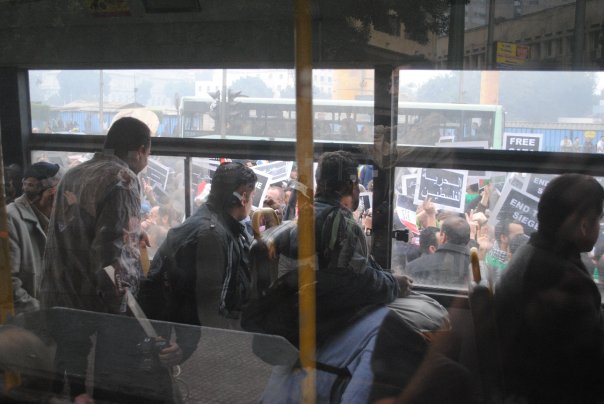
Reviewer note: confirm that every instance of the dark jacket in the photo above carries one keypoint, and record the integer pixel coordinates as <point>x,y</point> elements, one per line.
<point>203,263</point>
<point>448,267</point>
<point>550,325</point>
<point>348,281</point>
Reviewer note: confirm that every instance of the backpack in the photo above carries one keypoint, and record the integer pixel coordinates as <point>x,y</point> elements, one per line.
<point>168,291</point>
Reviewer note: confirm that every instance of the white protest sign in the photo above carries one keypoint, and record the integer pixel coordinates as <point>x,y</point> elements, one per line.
<point>445,188</point>
<point>278,170</point>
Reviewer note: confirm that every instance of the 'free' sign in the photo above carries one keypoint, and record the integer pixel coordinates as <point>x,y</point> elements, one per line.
<point>523,141</point>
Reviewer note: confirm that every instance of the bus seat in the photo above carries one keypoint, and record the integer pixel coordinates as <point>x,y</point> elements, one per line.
<point>482,307</point>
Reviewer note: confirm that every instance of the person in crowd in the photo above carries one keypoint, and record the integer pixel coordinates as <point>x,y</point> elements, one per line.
<point>498,256</point>
<point>27,219</point>
<point>209,252</point>
<point>600,145</point>
<point>92,263</point>
<point>348,279</point>
<point>516,242</point>
<point>566,145</point>
<point>275,198</point>
<point>12,182</point>
<point>577,147</point>
<point>449,263</point>
<point>548,308</point>
<point>428,240</point>
<point>588,146</point>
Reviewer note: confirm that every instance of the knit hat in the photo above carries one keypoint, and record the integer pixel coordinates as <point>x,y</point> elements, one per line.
<point>41,170</point>
<point>49,174</point>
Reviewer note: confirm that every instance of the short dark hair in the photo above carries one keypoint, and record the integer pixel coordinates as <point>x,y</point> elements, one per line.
<point>502,228</point>
<point>427,238</point>
<point>564,196</point>
<point>457,230</point>
<point>227,178</point>
<point>127,134</point>
<point>335,172</point>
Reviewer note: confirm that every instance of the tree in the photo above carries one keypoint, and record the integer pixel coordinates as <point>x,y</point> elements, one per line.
<point>183,88</point>
<point>346,26</point>
<point>525,96</point>
<point>546,96</point>
<point>81,85</point>
<point>445,88</point>
<point>252,87</point>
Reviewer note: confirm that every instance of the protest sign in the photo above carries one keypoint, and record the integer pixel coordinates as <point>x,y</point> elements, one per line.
<point>446,188</point>
<point>536,183</point>
<point>409,184</point>
<point>157,173</point>
<point>515,204</point>
<point>264,181</point>
<point>367,198</point>
<point>278,170</point>
<point>523,141</point>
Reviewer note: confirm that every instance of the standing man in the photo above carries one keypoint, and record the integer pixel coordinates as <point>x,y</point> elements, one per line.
<point>28,218</point>
<point>448,266</point>
<point>204,261</point>
<point>349,281</point>
<point>96,224</point>
<point>548,308</point>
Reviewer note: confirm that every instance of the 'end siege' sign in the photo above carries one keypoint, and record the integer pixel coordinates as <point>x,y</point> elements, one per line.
<point>513,204</point>
<point>523,141</point>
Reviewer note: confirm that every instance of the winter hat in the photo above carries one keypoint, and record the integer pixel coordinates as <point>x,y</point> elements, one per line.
<point>41,170</point>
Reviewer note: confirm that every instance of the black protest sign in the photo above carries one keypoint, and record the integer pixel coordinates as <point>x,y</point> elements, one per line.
<point>516,205</point>
<point>523,141</point>
<point>262,185</point>
<point>445,188</point>
<point>157,173</point>
<point>537,183</point>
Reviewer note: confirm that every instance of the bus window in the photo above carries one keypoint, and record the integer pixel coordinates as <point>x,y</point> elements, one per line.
<point>500,209</point>
<point>163,200</point>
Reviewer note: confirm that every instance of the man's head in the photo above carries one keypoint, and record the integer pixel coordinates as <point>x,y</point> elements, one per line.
<point>455,230</point>
<point>233,186</point>
<point>130,140</point>
<point>337,176</point>
<point>505,230</point>
<point>40,177</point>
<point>428,240</point>
<point>570,209</point>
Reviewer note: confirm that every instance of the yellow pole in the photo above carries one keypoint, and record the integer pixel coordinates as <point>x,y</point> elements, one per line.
<point>7,308</point>
<point>306,221</point>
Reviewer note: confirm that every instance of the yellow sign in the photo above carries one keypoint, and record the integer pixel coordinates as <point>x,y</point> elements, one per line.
<point>507,53</point>
<point>589,134</point>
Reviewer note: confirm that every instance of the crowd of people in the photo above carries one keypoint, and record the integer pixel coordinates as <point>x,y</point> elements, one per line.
<point>77,240</point>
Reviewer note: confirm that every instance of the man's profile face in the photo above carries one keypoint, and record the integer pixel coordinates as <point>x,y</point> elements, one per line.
<point>139,158</point>
<point>31,187</point>
<point>514,229</point>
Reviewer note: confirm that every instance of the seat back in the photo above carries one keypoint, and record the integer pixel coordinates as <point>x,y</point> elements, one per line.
<point>482,307</point>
